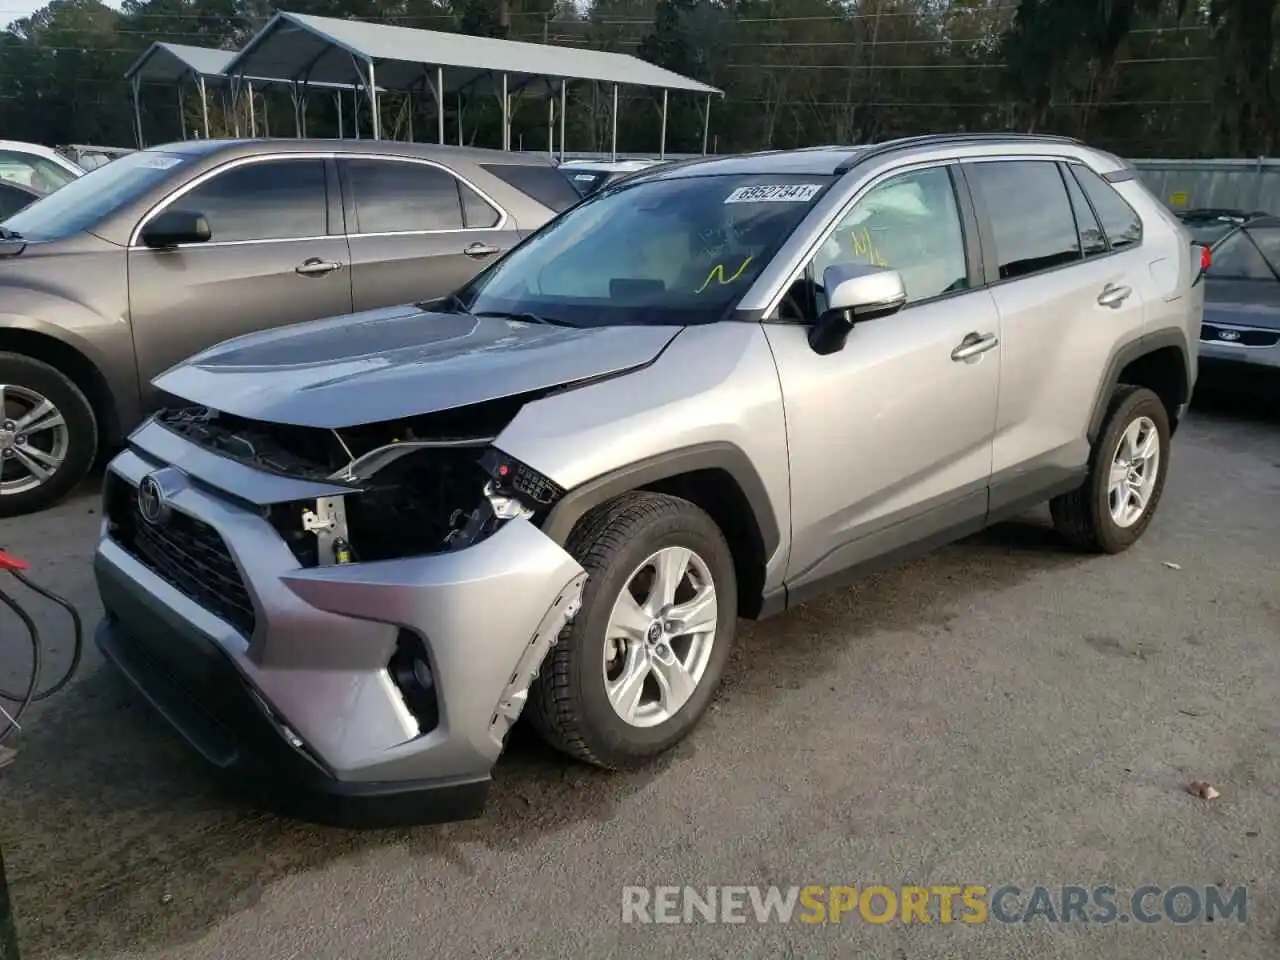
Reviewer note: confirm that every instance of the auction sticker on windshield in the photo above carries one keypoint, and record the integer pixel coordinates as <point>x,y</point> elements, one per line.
<point>775,193</point>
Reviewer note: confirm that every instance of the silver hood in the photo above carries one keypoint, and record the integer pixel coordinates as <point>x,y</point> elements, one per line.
<point>400,362</point>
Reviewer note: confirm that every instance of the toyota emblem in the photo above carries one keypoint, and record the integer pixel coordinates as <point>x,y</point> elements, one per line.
<point>153,505</point>
<point>1228,335</point>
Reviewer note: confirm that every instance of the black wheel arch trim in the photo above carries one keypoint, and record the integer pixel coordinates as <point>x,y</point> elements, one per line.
<point>704,456</point>
<point>1127,355</point>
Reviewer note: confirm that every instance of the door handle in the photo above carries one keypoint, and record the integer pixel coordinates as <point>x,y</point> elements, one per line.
<point>974,344</point>
<point>478,250</point>
<point>315,267</point>
<point>1113,295</point>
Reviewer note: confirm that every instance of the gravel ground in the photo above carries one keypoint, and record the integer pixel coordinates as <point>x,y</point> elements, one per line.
<point>1000,712</point>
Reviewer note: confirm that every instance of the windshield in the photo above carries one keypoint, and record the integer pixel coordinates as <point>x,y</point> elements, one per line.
<point>86,200</point>
<point>37,173</point>
<point>677,251</point>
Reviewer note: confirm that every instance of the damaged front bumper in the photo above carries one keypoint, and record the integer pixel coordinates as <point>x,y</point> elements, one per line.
<point>362,694</point>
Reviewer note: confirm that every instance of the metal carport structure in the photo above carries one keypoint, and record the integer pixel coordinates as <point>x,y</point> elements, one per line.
<point>205,67</point>
<point>309,50</point>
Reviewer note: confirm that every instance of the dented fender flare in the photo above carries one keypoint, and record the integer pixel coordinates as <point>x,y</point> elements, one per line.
<point>704,456</point>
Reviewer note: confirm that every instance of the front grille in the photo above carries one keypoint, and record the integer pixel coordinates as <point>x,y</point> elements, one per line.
<point>1210,333</point>
<point>186,553</point>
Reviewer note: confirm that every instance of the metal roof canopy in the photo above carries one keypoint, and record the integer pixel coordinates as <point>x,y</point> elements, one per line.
<point>177,63</point>
<point>309,50</point>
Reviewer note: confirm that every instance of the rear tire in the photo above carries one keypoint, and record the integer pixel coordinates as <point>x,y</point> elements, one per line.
<point>48,435</point>
<point>1115,504</point>
<point>593,698</point>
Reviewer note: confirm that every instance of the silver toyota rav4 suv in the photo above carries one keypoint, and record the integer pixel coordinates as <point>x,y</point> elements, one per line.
<point>357,550</point>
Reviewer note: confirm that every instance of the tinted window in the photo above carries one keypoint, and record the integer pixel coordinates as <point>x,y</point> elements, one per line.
<point>476,210</point>
<point>909,222</point>
<point>1238,259</point>
<point>1092,241</point>
<point>13,199</point>
<point>272,200</point>
<point>86,200</point>
<point>675,251</point>
<point>1121,224</point>
<point>546,185</point>
<point>397,197</point>
<point>1030,214</point>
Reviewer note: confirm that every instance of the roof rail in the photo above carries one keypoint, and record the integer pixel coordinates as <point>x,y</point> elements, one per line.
<point>943,139</point>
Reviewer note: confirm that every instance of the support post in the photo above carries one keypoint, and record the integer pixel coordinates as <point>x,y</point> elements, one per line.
<point>231,102</point>
<point>182,114</point>
<point>253,114</point>
<point>506,115</point>
<point>613,127</point>
<point>204,108</point>
<point>373,101</point>
<point>297,110</point>
<point>137,109</point>
<point>440,103</point>
<point>662,140</point>
<point>338,100</point>
<point>551,123</point>
<point>459,119</point>
<point>706,125</point>
<point>563,105</point>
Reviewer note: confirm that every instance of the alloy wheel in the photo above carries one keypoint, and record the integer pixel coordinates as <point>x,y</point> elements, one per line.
<point>659,636</point>
<point>33,439</point>
<point>1135,467</point>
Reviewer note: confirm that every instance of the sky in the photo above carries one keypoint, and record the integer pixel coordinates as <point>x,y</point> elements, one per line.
<point>11,10</point>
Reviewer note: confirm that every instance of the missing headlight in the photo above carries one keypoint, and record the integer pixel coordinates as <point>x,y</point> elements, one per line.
<point>424,500</point>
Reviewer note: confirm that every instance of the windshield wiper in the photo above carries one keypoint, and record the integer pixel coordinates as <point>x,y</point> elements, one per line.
<point>453,301</point>
<point>525,317</point>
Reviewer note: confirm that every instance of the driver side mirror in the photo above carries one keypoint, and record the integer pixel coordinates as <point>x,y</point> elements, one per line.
<point>173,227</point>
<point>855,293</point>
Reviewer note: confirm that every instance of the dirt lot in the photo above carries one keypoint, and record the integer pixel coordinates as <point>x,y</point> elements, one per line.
<point>1001,712</point>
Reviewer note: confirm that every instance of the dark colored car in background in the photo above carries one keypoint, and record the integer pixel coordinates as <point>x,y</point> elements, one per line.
<point>1210,224</point>
<point>1241,330</point>
<point>150,258</point>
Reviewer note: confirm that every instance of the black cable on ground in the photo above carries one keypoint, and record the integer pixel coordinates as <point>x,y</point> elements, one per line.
<point>11,721</point>
<point>77,638</point>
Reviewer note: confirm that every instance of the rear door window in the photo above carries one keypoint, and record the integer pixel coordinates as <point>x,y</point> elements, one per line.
<point>546,185</point>
<point>393,196</point>
<point>1120,222</point>
<point>1032,224</point>
<point>266,200</point>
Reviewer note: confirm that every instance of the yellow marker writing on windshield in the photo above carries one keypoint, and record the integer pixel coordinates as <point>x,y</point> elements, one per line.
<point>717,274</point>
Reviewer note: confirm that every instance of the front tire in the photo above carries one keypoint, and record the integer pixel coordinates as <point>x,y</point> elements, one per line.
<point>1115,505</point>
<point>48,435</point>
<point>637,668</point>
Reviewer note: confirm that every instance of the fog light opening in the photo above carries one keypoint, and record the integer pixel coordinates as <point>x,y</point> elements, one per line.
<point>411,672</point>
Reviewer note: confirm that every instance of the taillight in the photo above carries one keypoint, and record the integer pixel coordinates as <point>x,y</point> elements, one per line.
<point>1206,259</point>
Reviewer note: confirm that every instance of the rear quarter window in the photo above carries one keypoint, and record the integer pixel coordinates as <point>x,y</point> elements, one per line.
<point>546,185</point>
<point>1120,222</point>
